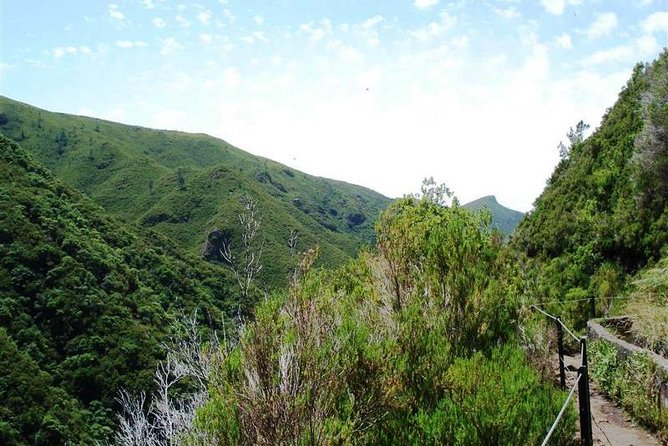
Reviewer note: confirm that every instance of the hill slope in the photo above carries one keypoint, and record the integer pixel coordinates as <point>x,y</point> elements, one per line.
<point>604,212</point>
<point>85,301</point>
<point>503,218</point>
<point>186,185</point>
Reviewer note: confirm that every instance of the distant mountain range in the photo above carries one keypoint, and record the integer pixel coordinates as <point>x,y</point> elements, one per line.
<point>503,218</point>
<point>188,185</point>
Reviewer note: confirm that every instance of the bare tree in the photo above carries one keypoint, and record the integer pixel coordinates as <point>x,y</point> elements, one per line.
<point>292,244</point>
<point>167,417</point>
<point>246,265</point>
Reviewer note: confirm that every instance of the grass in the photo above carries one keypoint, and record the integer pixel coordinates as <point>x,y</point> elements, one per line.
<point>648,308</point>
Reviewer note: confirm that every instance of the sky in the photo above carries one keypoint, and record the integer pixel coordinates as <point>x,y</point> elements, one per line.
<point>476,93</point>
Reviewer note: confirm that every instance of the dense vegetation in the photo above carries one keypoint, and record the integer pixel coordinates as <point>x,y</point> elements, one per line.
<point>504,219</point>
<point>85,302</point>
<point>604,213</point>
<point>424,339</point>
<point>416,344</point>
<point>187,186</point>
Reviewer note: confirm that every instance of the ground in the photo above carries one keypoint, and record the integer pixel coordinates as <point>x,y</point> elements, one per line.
<point>611,426</point>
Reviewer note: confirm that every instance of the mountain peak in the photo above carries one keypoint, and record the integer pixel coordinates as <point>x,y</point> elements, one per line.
<point>503,218</point>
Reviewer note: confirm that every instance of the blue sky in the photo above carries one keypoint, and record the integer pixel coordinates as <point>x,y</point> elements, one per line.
<point>476,94</point>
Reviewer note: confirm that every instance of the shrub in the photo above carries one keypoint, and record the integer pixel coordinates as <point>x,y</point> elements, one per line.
<point>632,381</point>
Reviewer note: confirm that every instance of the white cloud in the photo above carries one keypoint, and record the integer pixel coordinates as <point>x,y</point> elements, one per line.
<point>602,25</point>
<point>616,54</point>
<point>564,41</point>
<point>259,35</point>
<point>116,114</point>
<point>70,50</point>
<point>647,46</point>
<point>316,32</point>
<point>204,16</point>
<point>206,39</point>
<point>229,15</point>
<point>510,12</point>
<point>159,22</point>
<point>131,44</point>
<point>253,37</point>
<point>557,7</point>
<point>349,54</point>
<point>231,78</point>
<point>169,45</point>
<point>435,29</point>
<point>182,21</point>
<point>259,20</point>
<point>148,4</point>
<point>115,13</point>
<point>373,21</point>
<point>177,82</point>
<point>656,22</point>
<point>168,119</point>
<point>423,4</point>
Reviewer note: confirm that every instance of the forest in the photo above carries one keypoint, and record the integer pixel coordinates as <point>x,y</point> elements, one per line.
<point>114,332</point>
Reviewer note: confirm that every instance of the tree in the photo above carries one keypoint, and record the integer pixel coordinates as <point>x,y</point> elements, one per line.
<point>575,136</point>
<point>167,417</point>
<point>246,265</point>
<point>181,178</point>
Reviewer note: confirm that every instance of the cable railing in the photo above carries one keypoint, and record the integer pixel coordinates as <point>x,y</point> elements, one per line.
<point>561,412</point>
<point>581,383</point>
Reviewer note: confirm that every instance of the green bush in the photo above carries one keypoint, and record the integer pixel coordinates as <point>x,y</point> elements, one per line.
<point>632,381</point>
<point>413,345</point>
<point>496,400</point>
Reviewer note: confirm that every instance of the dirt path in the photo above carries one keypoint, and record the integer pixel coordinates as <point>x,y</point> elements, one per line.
<point>611,426</point>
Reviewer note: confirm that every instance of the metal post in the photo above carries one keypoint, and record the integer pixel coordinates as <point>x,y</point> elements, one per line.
<point>592,304</point>
<point>560,347</point>
<point>583,398</point>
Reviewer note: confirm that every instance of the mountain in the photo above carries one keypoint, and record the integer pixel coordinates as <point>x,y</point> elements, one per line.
<point>85,303</point>
<point>604,212</point>
<point>503,218</point>
<point>187,186</point>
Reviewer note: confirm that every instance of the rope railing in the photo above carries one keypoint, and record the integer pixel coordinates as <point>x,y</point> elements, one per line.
<point>581,383</point>
<point>561,412</point>
<point>558,320</point>
<point>584,299</point>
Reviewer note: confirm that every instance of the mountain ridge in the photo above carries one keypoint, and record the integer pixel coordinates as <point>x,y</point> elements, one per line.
<point>503,218</point>
<point>86,302</point>
<point>188,185</point>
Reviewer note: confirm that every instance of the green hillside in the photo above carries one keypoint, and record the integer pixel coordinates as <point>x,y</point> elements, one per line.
<point>604,213</point>
<point>186,185</point>
<point>503,218</point>
<point>85,302</point>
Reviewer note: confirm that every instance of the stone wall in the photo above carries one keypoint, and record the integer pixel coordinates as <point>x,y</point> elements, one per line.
<point>596,331</point>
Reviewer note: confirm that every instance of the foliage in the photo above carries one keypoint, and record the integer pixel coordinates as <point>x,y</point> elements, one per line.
<point>185,186</point>
<point>648,308</point>
<point>84,303</point>
<point>412,345</point>
<point>602,215</point>
<point>496,400</point>
<point>632,380</point>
